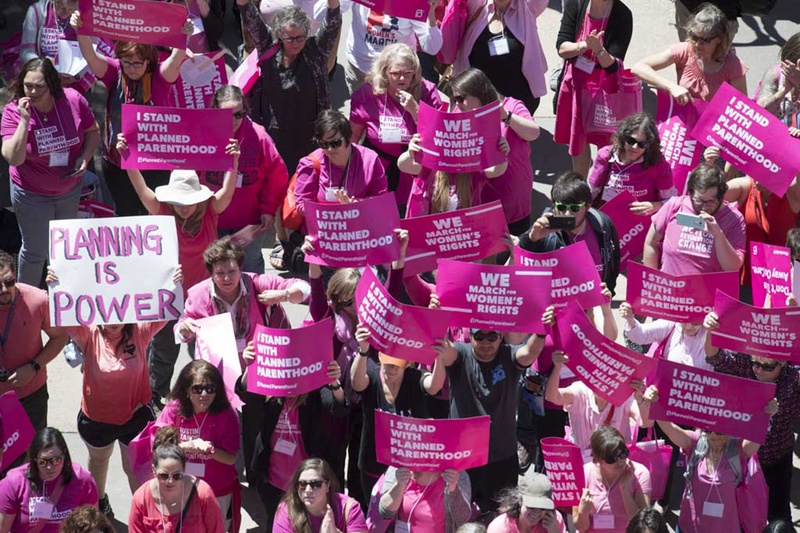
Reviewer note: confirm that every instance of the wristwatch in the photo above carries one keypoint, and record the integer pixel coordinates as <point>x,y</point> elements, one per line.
<point>335,387</point>
<point>36,366</point>
<point>287,295</point>
<point>507,120</point>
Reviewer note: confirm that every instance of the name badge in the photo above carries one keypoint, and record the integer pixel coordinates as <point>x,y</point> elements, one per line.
<point>713,509</point>
<point>402,527</point>
<point>42,510</point>
<point>330,194</point>
<point>391,135</point>
<point>585,64</point>
<point>603,521</point>
<point>196,469</point>
<point>498,46</point>
<point>59,159</point>
<point>239,180</point>
<point>285,447</point>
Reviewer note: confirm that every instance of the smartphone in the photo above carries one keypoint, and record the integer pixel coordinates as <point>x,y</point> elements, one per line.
<point>72,174</point>
<point>691,221</point>
<point>561,222</point>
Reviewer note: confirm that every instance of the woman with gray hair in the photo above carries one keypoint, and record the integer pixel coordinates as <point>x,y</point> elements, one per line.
<point>293,88</point>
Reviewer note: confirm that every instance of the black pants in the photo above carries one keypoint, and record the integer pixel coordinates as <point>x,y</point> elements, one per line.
<point>488,480</point>
<point>270,497</point>
<point>779,481</point>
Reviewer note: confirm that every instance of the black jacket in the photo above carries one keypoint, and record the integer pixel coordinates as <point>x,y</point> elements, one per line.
<point>617,35</point>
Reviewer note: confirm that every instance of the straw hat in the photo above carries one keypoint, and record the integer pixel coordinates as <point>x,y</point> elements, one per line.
<point>184,189</point>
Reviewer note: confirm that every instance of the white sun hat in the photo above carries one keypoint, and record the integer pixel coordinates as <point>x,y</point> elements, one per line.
<point>184,189</point>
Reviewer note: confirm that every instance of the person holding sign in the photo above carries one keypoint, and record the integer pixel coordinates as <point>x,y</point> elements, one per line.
<point>528,508</point>
<point>49,137</point>
<point>775,455</point>
<point>37,496</point>
<point>616,487</point>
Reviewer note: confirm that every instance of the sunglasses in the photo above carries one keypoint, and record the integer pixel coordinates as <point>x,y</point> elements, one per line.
<point>330,145</point>
<point>346,303</point>
<point>43,462</point>
<point>315,484</point>
<point>132,64</point>
<point>491,336</point>
<point>238,115</point>
<point>166,476</point>
<point>611,459</point>
<point>698,39</point>
<point>8,284</point>
<point>198,389</point>
<point>298,39</point>
<point>636,143</point>
<point>765,366</point>
<point>574,208</point>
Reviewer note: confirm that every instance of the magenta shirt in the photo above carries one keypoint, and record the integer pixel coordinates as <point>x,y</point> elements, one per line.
<point>16,498</point>
<point>511,186</point>
<point>419,201</point>
<point>288,450</point>
<point>353,523</point>
<point>609,177</point>
<point>590,238</point>
<point>689,251</point>
<point>59,131</point>
<point>220,429</point>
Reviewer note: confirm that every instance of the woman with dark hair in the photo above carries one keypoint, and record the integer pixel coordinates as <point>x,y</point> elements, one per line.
<point>49,137</point>
<point>38,495</point>
<point>647,520</point>
<point>314,504</point>
<point>135,76</point>
<point>174,498</point>
<point>260,184</point>
<point>209,430</point>
<point>528,508</point>
<point>87,519</point>
<point>633,162</point>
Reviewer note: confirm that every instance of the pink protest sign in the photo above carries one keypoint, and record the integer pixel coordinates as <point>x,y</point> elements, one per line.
<point>574,274</point>
<point>354,235</point>
<point>407,9</point>
<point>631,228</point>
<point>463,235</point>
<point>460,142</point>
<point>750,138</point>
<point>756,331</point>
<point>680,149</point>
<point>399,330</point>
<point>200,78</point>
<point>431,445</point>
<point>563,464</point>
<point>712,401</point>
<point>166,138</point>
<point>138,21</point>
<point>290,362</point>
<point>494,297</point>
<point>216,343</point>
<point>17,430</point>
<point>603,365</point>
<point>771,274</point>
<point>677,298</point>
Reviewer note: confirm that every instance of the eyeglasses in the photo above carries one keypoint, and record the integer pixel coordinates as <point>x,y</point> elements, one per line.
<point>43,462</point>
<point>703,203</point>
<point>401,73</point>
<point>298,39</point>
<point>700,39</point>
<point>35,86</point>
<point>346,303</point>
<point>492,336</point>
<point>238,115</point>
<point>132,64</point>
<point>315,484</point>
<point>636,143</point>
<point>611,459</point>
<point>199,389</point>
<point>8,284</point>
<point>574,208</point>
<point>458,99</point>
<point>166,476</point>
<point>330,145</point>
<point>765,366</point>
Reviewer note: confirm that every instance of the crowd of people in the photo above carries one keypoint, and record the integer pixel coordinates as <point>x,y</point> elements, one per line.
<point>311,458</point>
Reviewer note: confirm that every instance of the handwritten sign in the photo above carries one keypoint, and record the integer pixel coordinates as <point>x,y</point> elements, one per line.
<point>771,269</point>
<point>138,21</point>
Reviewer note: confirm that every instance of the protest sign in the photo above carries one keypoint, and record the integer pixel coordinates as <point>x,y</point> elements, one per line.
<point>201,76</point>
<point>631,228</point>
<point>460,142</point>
<point>353,235</point>
<point>290,362</point>
<point>603,365</point>
<point>396,329</point>
<point>407,9</point>
<point>712,401</point>
<point>431,445</point>
<point>18,431</point>
<point>216,343</point>
<point>796,280</point>
<point>771,274</point>
<point>462,235</point>
<point>574,274</point>
<point>681,151</point>
<point>681,299</point>
<point>756,331</point>
<point>563,464</point>
<point>138,21</point>
<point>494,297</point>
<point>750,138</point>
<point>99,263</point>
<point>167,138</point>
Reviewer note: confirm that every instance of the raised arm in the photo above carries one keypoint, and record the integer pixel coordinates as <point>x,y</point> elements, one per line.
<point>528,353</point>
<point>552,392</point>
<point>97,63</point>
<point>222,198</point>
<point>145,194</point>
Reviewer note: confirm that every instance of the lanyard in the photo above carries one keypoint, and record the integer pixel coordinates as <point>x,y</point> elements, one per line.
<point>715,477</point>
<point>419,499</point>
<point>385,104</point>
<point>345,172</point>
<point>199,425</point>
<point>287,425</point>
<point>7,329</point>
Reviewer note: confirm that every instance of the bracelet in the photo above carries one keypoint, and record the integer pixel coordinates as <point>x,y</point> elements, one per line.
<point>287,295</point>
<point>363,354</point>
<point>507,120</point>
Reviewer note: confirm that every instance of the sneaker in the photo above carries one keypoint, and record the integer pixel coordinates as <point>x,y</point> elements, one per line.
<point>105,507</point>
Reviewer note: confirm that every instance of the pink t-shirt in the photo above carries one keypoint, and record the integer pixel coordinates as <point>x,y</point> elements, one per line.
<point>191,247</point>
<point>506,524</point>
<point>710,489</point>
<point>202,516</point>
<point>31,316</point>
<point>354,522</point>
<point>288,450</point>
<point>17,498</point>
<point>220,429</point>
<point>423,506</point>
<point>687,250</point>
<point>590,238</point>
<point>115,381</point>
<point>55,141</point>
<point>584,417</point>
<point>610,176</point>
<point>700,84</point>
<point>609,514</point>
<point>511,186</point>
